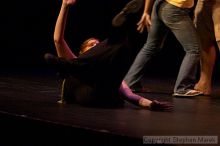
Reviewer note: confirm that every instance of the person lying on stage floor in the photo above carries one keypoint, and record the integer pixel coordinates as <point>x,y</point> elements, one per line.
<point>95,78</point>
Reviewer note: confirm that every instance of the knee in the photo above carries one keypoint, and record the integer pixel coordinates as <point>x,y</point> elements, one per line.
<point>194,49</point>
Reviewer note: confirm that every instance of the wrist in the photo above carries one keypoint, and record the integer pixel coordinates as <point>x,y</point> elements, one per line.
<point>145,103</point>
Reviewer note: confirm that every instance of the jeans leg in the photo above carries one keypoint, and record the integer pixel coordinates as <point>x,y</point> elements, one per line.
<point>156,36</point>
<point>180,23</point>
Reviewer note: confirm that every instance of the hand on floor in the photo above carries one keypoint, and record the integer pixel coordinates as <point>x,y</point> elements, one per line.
<point>161,106</point>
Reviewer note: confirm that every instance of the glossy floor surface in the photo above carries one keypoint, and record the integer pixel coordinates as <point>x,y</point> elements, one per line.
<point>30,115</point>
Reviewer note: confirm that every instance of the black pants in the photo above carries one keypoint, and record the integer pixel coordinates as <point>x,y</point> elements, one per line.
<point>97,74</point>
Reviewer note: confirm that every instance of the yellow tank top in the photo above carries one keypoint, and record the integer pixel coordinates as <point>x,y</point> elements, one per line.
<point>182,3</point>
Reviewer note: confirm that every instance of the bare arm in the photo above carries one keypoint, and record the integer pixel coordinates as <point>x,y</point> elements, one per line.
<point>62,47</point>
<point>145,20</point>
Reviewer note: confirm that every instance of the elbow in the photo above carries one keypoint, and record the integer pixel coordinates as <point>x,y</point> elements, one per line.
<point>58,40</point>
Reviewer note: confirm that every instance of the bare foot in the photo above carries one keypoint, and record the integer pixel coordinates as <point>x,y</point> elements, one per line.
<point>206,89</point>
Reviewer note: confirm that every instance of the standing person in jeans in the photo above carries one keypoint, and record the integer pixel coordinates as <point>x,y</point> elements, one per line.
<point>173,16</point>
<point>95,77</point>
<point>207,22</point>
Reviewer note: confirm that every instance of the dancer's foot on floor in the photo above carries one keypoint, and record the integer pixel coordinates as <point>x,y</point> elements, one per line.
<point>206,89</point>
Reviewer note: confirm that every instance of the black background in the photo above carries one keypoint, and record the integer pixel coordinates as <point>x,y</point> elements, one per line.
<point>27,33</point>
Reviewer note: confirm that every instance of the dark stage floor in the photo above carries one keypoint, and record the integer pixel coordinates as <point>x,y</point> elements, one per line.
<point>29,115</point>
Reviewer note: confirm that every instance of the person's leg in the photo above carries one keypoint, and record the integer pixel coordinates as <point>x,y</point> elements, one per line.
<point>216,20</point>
<point>103,66</point>
<point>116,50</point>
<point>208,57</point>
<point>218,44</point>
<point>156,35</point>
<point>206,18</point>
<point>132,7</point>
<point>180,23</point>
<point>74,90</point>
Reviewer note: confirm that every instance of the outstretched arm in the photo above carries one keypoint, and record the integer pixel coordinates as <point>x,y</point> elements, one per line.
<point>143,102</point>
<point>145,20</point>
<point>62,47</point>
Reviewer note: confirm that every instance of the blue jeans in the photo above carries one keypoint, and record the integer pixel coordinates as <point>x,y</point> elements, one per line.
<point>165,18</point>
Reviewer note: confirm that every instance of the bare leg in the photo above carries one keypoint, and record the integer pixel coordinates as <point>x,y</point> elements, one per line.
<point>208,58</point>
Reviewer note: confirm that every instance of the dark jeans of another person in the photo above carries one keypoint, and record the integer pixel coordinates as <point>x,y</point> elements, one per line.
<point>165,18</point>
